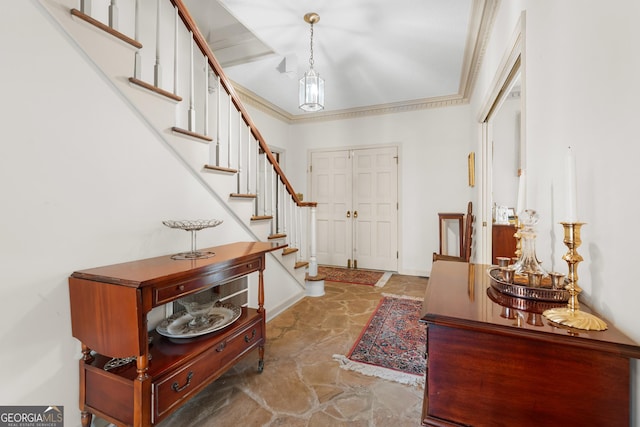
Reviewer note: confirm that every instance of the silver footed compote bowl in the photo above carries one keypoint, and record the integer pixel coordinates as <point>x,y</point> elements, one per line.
<point>198,306</point>
<point>193,226</point>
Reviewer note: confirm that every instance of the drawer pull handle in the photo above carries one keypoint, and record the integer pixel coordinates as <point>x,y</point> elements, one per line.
<point>177,388</point>
<point>221,347</point>
<point>248,338</point>
<point>181,287</point>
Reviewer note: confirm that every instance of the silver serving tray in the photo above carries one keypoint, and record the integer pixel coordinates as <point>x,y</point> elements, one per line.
<point>220,316</point>
<point>520,290</point>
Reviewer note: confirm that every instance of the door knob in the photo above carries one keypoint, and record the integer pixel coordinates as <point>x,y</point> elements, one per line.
<point>355,214</point>
<point>348,214</point>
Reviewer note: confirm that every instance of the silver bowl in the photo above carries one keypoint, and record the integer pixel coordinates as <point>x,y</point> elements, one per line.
<point>198,306</point>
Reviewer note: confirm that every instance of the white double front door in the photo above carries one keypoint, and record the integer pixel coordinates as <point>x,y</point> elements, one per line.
<point>357,213</point>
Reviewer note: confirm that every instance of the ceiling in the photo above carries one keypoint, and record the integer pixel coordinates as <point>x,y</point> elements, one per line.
<point>375,55</point>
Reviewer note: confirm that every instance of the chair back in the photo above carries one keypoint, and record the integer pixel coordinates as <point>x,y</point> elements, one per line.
<point>468,233</point>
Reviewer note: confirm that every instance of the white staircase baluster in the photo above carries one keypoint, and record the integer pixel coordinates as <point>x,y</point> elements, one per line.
<point>292,222</point>
<point>265,195</point>
<point>257,151</point>
<point>175,50</point>
<point>206,96</point>
<point>273,193</point>
<point>85,7</point>
<point>137,61</point>
<point>229,151</point>
<point>299,228</point>
<point>192,110</point>
<point>294,227</point>
<point>113,14</point>
<point>218,90</point>
<point>157,70</point>
<point>239,174</point>
<point>279,186</point>
<point>283,208</point>
<point>248,177</point>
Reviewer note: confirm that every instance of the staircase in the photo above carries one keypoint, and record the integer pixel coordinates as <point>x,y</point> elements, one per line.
<point>154,55</point>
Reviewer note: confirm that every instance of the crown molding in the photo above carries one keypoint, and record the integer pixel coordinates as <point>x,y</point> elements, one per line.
<point>483,14</point>
<point>480,25</point>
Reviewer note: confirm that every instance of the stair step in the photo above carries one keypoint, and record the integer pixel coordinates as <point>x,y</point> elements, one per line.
<point>315,278</point>
<point>195,135</point>
<point>261,217</point>
<point>220,169</point>
<point>115,33</point>
<point>243,196</point>
<point>288,251</point>
<point>154,89</point>
<point>301,264</point>
<point>277,236</point>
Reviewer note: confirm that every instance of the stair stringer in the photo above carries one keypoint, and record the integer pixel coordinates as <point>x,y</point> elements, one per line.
<point>112,59</point>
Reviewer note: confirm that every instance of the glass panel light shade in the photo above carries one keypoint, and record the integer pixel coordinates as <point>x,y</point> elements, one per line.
<point>311,91</point>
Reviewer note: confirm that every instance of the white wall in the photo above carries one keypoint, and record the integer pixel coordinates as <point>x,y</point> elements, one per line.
<point>582,90</point>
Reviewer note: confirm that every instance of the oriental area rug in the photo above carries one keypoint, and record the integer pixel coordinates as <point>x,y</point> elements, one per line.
<point>352,275</point>
<point>393,344</point>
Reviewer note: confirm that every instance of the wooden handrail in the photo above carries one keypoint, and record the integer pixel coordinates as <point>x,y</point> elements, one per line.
<point>201,42</point>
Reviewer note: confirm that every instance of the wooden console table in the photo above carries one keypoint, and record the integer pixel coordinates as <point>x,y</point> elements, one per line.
<point>494,360</point>
<point>109,307</point>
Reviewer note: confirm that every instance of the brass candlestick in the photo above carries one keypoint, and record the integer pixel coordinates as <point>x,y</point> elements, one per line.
<point>518,237</point>
<point>571,314</point>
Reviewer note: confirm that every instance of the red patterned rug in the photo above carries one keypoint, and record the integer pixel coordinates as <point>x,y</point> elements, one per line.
<point>393,344</point>
<point>350,275</point>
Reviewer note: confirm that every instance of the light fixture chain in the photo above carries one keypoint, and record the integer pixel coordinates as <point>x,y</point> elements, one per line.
<point>311,49</point>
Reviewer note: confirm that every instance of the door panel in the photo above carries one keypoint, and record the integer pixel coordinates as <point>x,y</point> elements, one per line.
<point>331,184</point>
<point>375,199</point>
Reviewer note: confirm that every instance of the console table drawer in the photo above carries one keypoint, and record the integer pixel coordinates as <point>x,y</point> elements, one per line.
<point>171,389</point>
<point>163,295</point>
<point>238,344</point>
<point>177,386</point>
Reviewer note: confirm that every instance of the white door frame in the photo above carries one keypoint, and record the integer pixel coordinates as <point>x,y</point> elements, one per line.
<point>513,62</point>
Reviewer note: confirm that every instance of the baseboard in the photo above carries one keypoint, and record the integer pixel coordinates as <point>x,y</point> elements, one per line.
<point>274,312</point>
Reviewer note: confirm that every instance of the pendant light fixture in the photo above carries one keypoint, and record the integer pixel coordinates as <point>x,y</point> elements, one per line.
<point>311,88</point>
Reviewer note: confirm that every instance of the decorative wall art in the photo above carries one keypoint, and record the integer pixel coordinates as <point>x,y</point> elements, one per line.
<point>471,160</point>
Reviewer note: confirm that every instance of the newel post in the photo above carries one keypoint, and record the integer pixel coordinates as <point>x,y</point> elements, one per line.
<point>313,261</point>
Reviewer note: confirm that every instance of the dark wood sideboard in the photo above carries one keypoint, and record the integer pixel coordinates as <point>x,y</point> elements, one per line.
<point>109,307</point>
<point>494,360</point>
<point>503,241</point>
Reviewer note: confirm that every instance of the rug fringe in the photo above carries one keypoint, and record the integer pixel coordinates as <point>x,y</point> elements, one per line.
<point>384,279</point>
<point>384,294</point>
<point>379,372</point>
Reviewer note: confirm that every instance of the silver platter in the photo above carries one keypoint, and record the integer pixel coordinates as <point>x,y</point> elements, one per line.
<point>177,325</point>
<point>520,290</point>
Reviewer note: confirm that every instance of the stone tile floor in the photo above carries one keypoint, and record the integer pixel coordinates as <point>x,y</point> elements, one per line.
<point>302,386</point>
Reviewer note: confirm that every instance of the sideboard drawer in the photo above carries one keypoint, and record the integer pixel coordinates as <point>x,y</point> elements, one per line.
<point>175,387</point>
<point>163,295</point>
<point>238,344</point>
